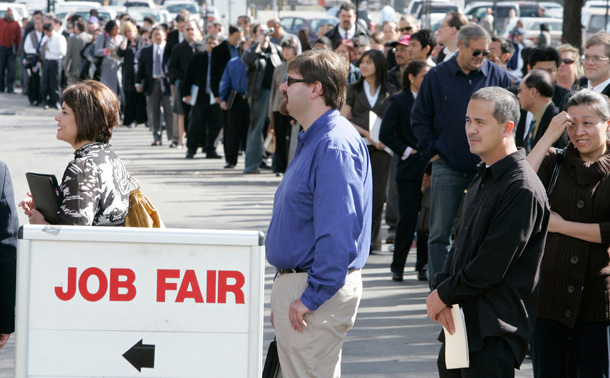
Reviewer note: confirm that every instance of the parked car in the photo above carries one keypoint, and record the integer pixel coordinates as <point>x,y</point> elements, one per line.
<point>175,6</point>
<point>104,14</point>
<point>532,28</point>
<point>292,24</point>
<point>594,20</point>
<point>554,10</point>
<point>138,14</point>
<point>416,7</point>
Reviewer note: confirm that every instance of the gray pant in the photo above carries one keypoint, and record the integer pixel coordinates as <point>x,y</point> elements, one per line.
<point>155,102</point>
<point>259,109</point>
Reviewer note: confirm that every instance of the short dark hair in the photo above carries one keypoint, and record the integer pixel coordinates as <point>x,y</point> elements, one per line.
<point>48,26</point>
<point>58,20</point>
<point>150,20</point>
<point>96,110</point>
<point>109,26</point>
<point>37,12</point>
<point>81,25</point>
<point>180,17</point>
<point>326,41</point>
<point>245,18</point>
<point>506,104</point>
<point>234,29</point>
<point>327,68</point>
<point>347,7</point>
<point>541,80</point>
<point>544,54</point>
<point>212,36</point>
<point>413,68</point>
<point>426,38</point>
<point>506,46</point>
<point>457,20</point>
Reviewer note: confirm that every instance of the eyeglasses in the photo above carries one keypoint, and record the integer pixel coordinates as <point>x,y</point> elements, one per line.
<point>567,61</point>
<point>292,80</point>
<point>476,53</point>
<point>189,29</point>
<point>594,59</point>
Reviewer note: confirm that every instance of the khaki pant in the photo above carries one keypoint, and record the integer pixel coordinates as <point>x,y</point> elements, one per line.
<point>316,352</point>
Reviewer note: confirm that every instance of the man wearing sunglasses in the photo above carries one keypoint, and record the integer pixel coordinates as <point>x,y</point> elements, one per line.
<point>437,119</point>
<point>320,230</point>
<point>407,24</point>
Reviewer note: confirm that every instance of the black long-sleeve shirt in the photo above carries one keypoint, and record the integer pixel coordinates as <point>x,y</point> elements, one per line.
<point>493,267</point>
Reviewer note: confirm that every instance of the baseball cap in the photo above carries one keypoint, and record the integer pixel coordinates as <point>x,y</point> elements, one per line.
<point>93,20</point>
<point>403,40</point>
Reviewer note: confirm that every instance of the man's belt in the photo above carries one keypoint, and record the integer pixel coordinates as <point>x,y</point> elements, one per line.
<point>287,271</point>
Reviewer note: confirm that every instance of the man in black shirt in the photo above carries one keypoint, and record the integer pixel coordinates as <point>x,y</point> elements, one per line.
<point>492,268</point>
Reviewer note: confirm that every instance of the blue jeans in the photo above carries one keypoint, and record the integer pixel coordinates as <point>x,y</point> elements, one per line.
<point>446,191</point>
<point>259,109</point>
<point>7,69</point>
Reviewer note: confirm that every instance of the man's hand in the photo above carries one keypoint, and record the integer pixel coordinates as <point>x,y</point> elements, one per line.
<point>4,339</point>
<point>446,320</point>
<point>295,314</point>
<point>435,157</point>
<point>187,100</point>
<point>138,88</point>
<point>217,100</point>
<point>434,305</point>
<point>223,105</point>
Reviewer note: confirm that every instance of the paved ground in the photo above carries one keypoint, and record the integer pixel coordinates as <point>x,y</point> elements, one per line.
<point>392,336</point>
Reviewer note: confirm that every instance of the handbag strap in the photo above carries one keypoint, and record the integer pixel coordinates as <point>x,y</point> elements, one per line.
<point>558,162</point>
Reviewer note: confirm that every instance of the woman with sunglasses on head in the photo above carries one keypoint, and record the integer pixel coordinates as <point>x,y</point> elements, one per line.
<point>370,94</point>
<point>570,68</point>
<point>346,49</point>
<point>95,186</point>
<point>573,313</point>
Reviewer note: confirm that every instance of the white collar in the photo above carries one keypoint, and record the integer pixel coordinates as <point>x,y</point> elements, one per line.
<point>599,87</point>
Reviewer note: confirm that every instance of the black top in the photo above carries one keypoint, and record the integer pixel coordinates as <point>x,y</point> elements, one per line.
<point>9,225</point>
<point>492,268</point>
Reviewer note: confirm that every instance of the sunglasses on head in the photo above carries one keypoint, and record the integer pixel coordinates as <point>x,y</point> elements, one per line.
<point>476,53</point>
<point>567,61</point>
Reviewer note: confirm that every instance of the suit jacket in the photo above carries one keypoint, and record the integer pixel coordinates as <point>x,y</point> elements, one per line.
<point>9,226</point>
<point>396,133</point>
<point>181,56</point>
<point>129,64</point>
<point>395,77</point>
<point>144,75</point>
<point>73,59</point>
<point>550,112</point>
<point>172,40</point>
<point>220,57</point>
<point>197,74</point>
<point>356,98</point>
<point>335,36</point>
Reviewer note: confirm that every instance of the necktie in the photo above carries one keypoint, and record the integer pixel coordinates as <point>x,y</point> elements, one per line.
<point>529,141</point>
<point>346,35</point>
<point>157,65</point>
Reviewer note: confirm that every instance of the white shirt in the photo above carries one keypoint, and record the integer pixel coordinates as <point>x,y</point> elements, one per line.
<point>448,53</point>
<point>56,47</point>
<point>350,33</point>
<point>158,49</point>
<point>372,98</point>
<point>599,87</point>
<point>28,46</point>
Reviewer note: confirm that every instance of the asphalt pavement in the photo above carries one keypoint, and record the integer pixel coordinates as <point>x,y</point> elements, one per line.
<point>392,336</point>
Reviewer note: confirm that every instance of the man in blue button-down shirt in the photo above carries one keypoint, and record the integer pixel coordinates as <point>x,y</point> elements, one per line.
<point>437,119</point>
<point>320,230</point>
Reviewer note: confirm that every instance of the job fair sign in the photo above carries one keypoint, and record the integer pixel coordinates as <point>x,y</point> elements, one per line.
<point>132,302</point>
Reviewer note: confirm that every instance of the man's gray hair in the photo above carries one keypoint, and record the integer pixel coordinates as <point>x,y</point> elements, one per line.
<point>470,32</point>
<point>506,104</point>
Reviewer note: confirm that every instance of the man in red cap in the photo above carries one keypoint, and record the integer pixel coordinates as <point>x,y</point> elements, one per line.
<point>402,59</point>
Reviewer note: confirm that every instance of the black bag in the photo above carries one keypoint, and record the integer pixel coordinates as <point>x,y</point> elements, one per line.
<point>272,363</point>
<point>558,163</point>
<point>423,221</point>
<point>32,59</point>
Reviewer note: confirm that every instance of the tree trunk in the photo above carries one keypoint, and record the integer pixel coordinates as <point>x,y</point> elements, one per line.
<point>572,28</point>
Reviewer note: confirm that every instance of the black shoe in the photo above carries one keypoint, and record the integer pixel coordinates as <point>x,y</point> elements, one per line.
<point>156,143</point>
<point>422,275</point>
<point>390,239</point>
<point>278,174</point>
<point>174,144</point>
<point>190,155</point>
<point>229,165</point>
<point>396,277</point>
<point>264,166</point>
<point>212,155</point>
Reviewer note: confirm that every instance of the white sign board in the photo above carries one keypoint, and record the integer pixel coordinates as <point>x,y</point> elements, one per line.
<point>135,302</point>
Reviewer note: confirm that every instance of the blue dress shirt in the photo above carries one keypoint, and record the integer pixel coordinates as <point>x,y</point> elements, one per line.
<point>322,211</point>
<point>439,113</point>
<point>233,77</point>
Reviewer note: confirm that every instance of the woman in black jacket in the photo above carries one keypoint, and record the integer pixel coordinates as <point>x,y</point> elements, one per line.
<point>135,102</point>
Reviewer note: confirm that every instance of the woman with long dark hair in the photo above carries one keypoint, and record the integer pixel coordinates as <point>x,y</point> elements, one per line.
<point>370,94</point>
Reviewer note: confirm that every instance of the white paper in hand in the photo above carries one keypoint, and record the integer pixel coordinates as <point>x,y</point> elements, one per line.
<point>374,127</point>
<point>456,345</point>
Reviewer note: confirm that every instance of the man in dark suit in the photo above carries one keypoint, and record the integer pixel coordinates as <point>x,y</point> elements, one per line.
<point>9,225</point>
<point>152,80</point>
<point>535,96</point>
<point>347,28</point>
<point>175,36</point>
<point>177,66</point>
<point>205,116</point>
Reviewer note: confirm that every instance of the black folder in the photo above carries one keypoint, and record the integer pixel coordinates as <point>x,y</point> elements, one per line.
<point>45,193</point>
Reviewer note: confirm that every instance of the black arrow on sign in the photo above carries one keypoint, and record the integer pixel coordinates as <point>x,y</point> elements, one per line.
<point>141,355</point>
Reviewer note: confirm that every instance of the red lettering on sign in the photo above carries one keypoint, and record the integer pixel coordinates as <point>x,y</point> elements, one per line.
<point>84,290</point>
<point>236,288</point>
<point>189,280</point>
<point>162,285</point>
<point>70,289</point>
<point>210,296</point>
<point>127,283</point>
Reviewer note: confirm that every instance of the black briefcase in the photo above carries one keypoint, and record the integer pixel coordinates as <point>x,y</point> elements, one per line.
<point>272,363</point>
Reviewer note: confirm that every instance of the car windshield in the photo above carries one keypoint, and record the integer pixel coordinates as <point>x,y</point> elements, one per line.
<point>317,22</point>
<point>140,14</point>
<point>553,25</point>
<point>597,22</point>
<point>175,8</point>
